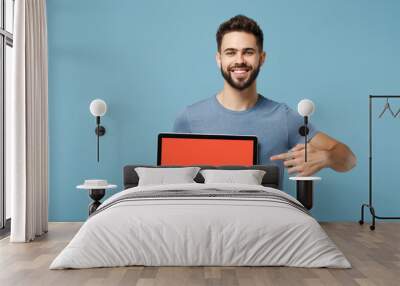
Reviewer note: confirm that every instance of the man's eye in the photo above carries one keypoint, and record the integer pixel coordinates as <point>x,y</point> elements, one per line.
<point>249,52</point>
<point>229,53</point>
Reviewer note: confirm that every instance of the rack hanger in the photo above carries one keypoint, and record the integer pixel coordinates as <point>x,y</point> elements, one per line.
<point>387,107</point>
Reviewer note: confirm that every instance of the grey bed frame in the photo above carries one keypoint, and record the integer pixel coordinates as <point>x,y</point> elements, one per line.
<point>270,179</point>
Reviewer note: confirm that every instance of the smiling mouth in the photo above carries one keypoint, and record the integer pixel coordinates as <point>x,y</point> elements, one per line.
<point>239,71</point>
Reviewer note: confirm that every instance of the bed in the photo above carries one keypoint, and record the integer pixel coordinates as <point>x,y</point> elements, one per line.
<point>201,224</point>
<point>184,212</point>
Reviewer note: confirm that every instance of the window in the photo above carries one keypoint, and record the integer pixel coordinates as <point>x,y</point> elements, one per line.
<point>6,60</point>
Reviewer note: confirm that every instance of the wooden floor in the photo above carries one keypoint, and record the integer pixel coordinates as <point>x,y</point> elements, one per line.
<point>374,255</point>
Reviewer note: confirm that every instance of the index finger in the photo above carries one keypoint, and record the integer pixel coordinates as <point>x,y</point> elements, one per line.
<point>282,156</point>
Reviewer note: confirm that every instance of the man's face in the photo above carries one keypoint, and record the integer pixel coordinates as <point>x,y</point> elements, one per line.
<point>240,59</point>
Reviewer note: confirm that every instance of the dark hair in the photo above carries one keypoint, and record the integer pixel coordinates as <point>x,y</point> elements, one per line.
<point>240,23</point>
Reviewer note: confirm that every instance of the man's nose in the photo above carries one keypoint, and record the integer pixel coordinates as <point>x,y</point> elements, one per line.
<point>240,58</point>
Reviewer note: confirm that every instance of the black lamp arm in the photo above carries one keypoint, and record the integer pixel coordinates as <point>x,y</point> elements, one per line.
<point>100,131</point>
<point>305,137</point>
<point>98,135</point>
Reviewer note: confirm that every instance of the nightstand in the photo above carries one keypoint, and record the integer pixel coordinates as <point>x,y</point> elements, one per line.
<point>304,190</point>
<point>97,190</point>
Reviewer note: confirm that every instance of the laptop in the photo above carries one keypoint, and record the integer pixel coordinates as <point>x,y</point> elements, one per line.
<point>206,149</point>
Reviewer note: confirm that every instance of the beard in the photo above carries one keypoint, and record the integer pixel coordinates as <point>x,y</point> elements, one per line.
<point>242,85</point>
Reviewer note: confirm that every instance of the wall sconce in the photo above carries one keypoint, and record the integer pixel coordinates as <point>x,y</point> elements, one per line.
<point>98,108</point>
<point>304,185</point>
<point>305,108</point>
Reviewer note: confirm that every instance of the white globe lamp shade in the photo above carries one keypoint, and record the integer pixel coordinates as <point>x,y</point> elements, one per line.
<point>98,107</point>
<point>305,107</point>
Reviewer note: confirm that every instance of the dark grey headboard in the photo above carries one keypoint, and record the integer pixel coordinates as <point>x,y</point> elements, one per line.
<point>271,177</point>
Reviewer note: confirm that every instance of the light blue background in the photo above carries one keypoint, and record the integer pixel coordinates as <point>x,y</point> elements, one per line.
<point>149,59</point>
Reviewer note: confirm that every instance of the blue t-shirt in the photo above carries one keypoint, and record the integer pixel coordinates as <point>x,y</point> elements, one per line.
<point>275,124</point>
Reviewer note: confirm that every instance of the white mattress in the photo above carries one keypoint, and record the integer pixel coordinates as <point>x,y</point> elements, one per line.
<point>200,231</point>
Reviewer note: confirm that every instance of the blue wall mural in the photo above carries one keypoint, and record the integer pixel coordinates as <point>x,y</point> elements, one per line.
<point>149,59</point>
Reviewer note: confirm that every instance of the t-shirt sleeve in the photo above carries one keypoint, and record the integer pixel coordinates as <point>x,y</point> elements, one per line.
<point>181,124</point>
<point>294,122</point>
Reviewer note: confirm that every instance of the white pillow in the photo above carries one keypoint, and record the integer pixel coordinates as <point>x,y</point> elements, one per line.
<point>164,176</point>
<point>249,177</point>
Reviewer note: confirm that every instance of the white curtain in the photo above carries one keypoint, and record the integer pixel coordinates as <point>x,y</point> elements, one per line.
<point>27,124</point>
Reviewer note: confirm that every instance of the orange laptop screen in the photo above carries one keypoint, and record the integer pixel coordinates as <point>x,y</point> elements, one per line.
<point>202,149</point>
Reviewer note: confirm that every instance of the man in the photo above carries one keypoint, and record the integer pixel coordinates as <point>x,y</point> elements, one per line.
<point>238,109</point>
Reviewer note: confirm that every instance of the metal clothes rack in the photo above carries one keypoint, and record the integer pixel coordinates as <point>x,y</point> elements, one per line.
<point>369,205</point>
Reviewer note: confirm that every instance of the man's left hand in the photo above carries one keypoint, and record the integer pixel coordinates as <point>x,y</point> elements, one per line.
<point>294,160</point>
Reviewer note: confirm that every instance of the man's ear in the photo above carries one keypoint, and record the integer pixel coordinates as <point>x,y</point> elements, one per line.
<point>218,59</point>
<point>263,58</point>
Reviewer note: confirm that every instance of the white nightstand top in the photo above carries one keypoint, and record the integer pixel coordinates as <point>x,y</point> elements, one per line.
<point>305,178</point>
<point>96,187</point>
<point>96,184</point>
